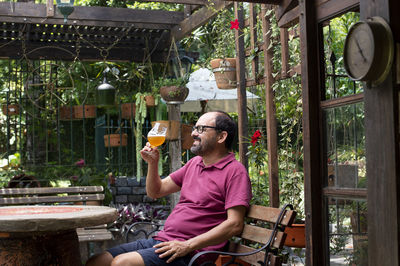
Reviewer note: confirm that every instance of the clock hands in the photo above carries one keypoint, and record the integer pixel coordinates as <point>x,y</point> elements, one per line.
<point>360,50</point>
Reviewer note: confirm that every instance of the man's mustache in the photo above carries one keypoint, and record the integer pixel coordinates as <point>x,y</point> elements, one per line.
<point>197,138</point>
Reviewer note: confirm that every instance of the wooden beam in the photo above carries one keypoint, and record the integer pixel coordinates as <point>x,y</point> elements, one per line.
<point>198,19</point>
<point>14,51</point>
<point>50,8</point>
<point>348,193</point>
<point>272,135</point>
<point>311,50</point>
<point>285,6</point>
<point>185,2</point>
<point>241,89</point>
<point>289,19</point>
<point>90,16</point>
<point>270,2</point>
<point>334,8</point>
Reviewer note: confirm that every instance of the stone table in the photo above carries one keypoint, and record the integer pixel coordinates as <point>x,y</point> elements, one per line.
<point>46,235</point>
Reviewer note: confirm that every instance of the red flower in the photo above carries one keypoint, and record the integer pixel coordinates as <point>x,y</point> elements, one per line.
<point>80,163</point>
<point>256,136</point>
<point>235,24</point>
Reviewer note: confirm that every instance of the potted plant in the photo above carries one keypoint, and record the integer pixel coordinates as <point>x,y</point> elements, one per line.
<point>134,213</point>
<point>84,109</point>
<point>224,64</point>
<point>296,235</point>
<point>173,90</point>
<point>10,109</point>
<point>8,106</point>
<point>66,112</point>
<point>115,140</point>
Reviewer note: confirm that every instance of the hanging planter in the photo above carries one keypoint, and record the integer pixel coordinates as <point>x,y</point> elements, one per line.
<point>115,140</point>
<point>128,110</point>
<point>150,100</point>
<point>174,94</point>
<point>224,72</point>
<point>105,94</point>
<point>10,109</point>
<point>84,111</point>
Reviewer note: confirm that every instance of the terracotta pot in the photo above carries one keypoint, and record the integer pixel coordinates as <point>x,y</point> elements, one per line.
<point>150,100</point>
<point>13,109</point>
<point>224,72</point>
<point>186,136</point>
<point>66,113</point>
<point>296,236</point>
<point>174,94</point>
<point>173,128</point>
<point>115,140</point>
<point>90,111</point>
<point>128,110</point>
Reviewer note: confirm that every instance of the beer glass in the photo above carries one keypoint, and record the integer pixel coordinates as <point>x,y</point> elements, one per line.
<point>157,134</point>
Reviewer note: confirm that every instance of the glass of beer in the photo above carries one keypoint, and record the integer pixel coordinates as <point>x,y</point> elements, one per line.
<point>157,134</point>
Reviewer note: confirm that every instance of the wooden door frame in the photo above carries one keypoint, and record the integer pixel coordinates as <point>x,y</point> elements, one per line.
<point>382,144</point>
<point>382,150</point>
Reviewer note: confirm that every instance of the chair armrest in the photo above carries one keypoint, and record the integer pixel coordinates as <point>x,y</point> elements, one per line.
<point>130,229</point>
<point>234,255</point>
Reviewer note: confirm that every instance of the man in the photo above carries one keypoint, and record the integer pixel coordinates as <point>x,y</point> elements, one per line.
<point>215,193</point>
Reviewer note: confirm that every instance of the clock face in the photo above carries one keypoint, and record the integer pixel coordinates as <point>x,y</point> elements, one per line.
<point>369,50</point>
<point>359,51</point>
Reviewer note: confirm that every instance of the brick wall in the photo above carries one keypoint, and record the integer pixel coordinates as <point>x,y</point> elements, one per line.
<point>129,190</point>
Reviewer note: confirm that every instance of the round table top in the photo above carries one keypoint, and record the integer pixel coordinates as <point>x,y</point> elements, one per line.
<point>53,218</point>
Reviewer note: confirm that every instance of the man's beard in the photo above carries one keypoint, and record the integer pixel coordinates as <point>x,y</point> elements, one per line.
<point>202,148</point>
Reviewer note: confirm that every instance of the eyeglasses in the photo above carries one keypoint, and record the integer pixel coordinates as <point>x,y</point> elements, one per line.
<point>200,128</point>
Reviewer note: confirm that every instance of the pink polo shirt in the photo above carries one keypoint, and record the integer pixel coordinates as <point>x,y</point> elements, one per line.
<point>206,194</point>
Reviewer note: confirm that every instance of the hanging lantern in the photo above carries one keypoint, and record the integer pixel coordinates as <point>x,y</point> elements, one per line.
<point>105,93</point>
<point>66,7</point>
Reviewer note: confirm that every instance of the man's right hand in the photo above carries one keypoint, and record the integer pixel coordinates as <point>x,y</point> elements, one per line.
<point>149,154</point>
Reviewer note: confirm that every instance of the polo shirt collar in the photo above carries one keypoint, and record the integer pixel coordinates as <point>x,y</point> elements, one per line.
<point>221,163</point>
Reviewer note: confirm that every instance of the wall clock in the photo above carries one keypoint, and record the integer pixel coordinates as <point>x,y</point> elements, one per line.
<point>368,50</point>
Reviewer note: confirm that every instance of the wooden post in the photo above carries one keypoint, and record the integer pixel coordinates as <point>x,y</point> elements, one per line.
<point>316,233</point>
<point>284,52</point>
<point>382,151</point>
<point>253,40</point>
<point>272,135</point>
<point>241,89</point>
<point>174,113</point>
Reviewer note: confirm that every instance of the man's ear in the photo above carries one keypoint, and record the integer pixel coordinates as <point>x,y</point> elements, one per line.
<point>222,136</point>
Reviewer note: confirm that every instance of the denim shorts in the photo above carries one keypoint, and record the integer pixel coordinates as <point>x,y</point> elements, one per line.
<point>145,248</point>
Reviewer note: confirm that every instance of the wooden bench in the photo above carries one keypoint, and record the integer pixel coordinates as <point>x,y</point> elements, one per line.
<point>261,240</point>
<point>264,227</point>
<point>84,195</point>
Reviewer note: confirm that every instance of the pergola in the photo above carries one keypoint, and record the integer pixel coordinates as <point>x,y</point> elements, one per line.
<point>40,25</point>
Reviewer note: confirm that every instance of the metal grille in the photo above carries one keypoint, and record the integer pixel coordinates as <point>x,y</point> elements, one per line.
<point>40,122</point>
